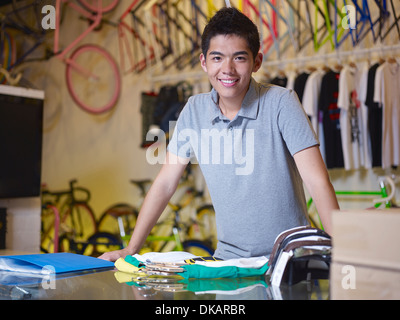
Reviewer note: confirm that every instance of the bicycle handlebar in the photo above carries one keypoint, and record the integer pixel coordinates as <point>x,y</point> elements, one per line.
<point>71,191</point>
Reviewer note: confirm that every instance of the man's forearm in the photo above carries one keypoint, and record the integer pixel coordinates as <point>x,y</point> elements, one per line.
<point>325,202</point>
<point>156,200</point>
<point>153,206</point>
<point>315,176</point>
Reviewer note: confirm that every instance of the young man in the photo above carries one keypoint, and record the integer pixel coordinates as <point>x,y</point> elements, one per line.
<point>254,144</point>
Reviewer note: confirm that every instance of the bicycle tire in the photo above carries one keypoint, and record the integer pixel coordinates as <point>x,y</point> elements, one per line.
<point>102,242</point>
<point>198,248</point>
<point>108,220</point>
<point>66,243</point>
<point>90,7</point>
<point>82,225</point>
<point>47,236</point>
<point>81,87</point>
<point>47,232</point>
<point>204,227</point>
<point>7,55</point>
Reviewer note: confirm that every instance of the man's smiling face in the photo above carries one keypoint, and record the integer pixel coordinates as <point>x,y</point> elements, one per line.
<point>229,64</point>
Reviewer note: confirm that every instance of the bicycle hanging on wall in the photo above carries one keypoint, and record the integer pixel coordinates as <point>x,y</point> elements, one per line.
<point>92,76</point>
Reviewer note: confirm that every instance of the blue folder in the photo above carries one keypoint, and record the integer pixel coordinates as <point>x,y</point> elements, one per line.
<point>54,262</point>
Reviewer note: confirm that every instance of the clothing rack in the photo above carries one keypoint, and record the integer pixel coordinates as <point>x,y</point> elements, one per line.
<point>336,54</point>
<point>178,77</point>
<point>322,57</point>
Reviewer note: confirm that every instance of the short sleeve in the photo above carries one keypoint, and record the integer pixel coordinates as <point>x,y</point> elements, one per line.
<point>294,125</point>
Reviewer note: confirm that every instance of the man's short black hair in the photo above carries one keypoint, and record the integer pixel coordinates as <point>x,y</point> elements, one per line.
<point>230,21</point>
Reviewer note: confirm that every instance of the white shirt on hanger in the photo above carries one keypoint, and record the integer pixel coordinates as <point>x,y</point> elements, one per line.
<point>350,118</point>
<point>387,94</point>
<point>310,105</point>
<point>362,94</point>
<point>291,77</point>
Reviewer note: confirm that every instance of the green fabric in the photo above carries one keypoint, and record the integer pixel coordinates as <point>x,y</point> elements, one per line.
<point>204,272</point>
<point>225,284</point>
<point>134,261</point>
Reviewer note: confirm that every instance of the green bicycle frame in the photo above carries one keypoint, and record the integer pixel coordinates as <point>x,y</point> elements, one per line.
<point>383,193</point>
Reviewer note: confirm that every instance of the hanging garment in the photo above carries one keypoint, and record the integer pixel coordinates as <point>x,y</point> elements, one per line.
<point>147,106</point>
<point>291,77</point>
<point>280,81</point>
<point>362,93</point>
<point>330,118</point>
<point>374,119</point>
<point>310,104</point>
<point>300,83</point>
<point>351,116</point>
<point>387,94</point>
<point>171,100</point>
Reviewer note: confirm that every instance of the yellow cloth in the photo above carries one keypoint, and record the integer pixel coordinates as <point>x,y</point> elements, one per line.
<point>124,266</point>
<point>123,277</point>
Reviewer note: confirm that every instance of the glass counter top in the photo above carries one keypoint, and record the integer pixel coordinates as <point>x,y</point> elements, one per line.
<point>114,285</point>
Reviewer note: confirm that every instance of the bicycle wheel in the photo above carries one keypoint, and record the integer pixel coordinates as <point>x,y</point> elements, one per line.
<point>7,54</point>
<point>102,242</point>
<point>93,79</point>
<point>79,223</point>
<point>67,243</point>
<point>117,218</point>
<point>107,5</point>
<point>198,248</point>
<point>49,229</point>
<point>204,227</point>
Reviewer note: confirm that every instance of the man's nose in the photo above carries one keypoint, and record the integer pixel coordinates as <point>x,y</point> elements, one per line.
<point>227,66</point>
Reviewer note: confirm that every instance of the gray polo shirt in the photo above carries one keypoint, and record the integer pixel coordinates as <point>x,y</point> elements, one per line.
<point>248,164</point>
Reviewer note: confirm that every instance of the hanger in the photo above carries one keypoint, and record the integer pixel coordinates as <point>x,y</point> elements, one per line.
<point>281,73</point>
<point>326,68</point>
<point>311,69</point>
<point>352,64</point>
<point>337,67</point>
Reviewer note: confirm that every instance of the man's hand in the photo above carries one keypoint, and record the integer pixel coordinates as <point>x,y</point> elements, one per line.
<point>115,255</point>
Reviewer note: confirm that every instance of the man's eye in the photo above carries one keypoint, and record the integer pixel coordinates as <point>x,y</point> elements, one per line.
<point>241,58</point>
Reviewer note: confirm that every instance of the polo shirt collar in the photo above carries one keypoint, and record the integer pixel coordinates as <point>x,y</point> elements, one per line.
<point>249,107</point>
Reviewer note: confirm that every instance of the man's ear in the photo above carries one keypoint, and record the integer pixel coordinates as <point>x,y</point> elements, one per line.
<point>203,62</point>
<point>258,62</point>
